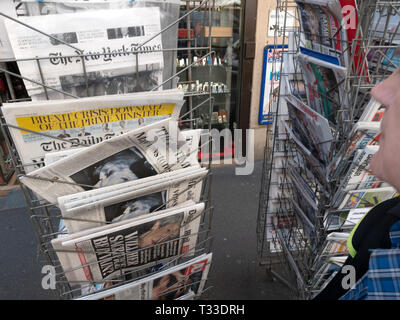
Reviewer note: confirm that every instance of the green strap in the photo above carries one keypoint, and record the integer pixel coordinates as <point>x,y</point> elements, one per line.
<point>350,247</point>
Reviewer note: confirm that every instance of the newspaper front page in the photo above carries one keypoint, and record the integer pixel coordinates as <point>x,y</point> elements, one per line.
<point>83,122</point>
<point>140,153</point>
<point>103,253</point>
<point>181,282</point>
<point>108,41</point>
<point>126,203</point>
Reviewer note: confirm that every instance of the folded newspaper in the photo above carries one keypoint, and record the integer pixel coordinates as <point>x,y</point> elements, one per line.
<point>182,282</point>
<point>64,124</point>
<point>312,129</point>
<point>321,29</point>
<point>88,53</point>
<point>324,79</point>
<point>139,153</point>
<point>129,200</point>
<point>113,250</point>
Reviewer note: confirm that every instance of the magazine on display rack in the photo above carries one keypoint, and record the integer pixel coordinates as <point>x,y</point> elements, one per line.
<point>83,122</point>
<point>8,8</point>
<point>139,153</point>
<point>366,198</point>
<point>106,252</point>
<point>108,41</point>
<point>312,129</point>
<point>321,29</point>
<point>358,175</point>
<point>128,200</point>
<point>181,282</point>
<point>363,134</point>
<point>324,79</point>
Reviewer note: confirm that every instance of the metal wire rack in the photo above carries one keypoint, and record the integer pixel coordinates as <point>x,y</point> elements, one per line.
<point>289,247</point>
<point>45,217</point>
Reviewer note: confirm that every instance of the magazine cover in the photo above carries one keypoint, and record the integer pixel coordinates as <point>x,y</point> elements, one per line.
<point>64,124</point>
<point>366,198</point>
<point>139,153</point>
<point>324,79</point>
<point>311,128</point>
<point>321,29</point>
<point>113,250</point>
<point>109,41</point>
<point>119,203</point>
<point>181,282</point>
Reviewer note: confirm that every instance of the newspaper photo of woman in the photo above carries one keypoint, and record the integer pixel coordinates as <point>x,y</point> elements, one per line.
<point>171,286</point>
<point>124,166</point>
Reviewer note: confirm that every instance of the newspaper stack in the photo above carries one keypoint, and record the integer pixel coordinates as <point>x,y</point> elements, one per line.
<point>130,200</point>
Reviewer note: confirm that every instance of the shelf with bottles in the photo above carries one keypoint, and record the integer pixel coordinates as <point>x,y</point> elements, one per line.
<point>195,88</point>
<point>201,62</point>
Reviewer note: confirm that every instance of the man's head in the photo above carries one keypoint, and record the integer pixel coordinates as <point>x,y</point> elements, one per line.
<point>386,162</point>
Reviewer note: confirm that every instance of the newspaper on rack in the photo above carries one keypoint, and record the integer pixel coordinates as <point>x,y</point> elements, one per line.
<point>311,128</point>
<point>324,79</point>
<point>192,138</point>
<point>169,13</point>
<point>7,7</point>
<point>358,176</point>
<point>124,201</point>
<point>328,271</point>
<point>373,111</point>
<point>139,153</point>
<point>321,29</point>
<point>180,282</point>
<point>304,194</point>
<point>64,124</point>
<point>311,162</point>
<point>366,198</point>
<point>363,134</point>
<point>114,250</point>
<point>336,244</point>
<point>101,56</point>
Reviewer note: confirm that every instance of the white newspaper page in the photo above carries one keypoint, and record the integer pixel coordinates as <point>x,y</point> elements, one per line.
<point>140,153</point>
<point>109,41</point>
<point>181,282</point>
<point>102,253</point>
<point>66,124</point>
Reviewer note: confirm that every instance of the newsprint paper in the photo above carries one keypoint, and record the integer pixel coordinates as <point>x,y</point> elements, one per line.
<point>108,41</point>
<point>181,282</point>
<point>129,200</point>
<point>83,122</point>
<point>140,153</point>
<point>103,253</point>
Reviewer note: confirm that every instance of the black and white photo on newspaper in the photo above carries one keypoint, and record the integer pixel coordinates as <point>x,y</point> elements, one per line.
<point>104,55</point>
<point>144,151</point>
<point>104,252</point>
<point>128,200</point>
